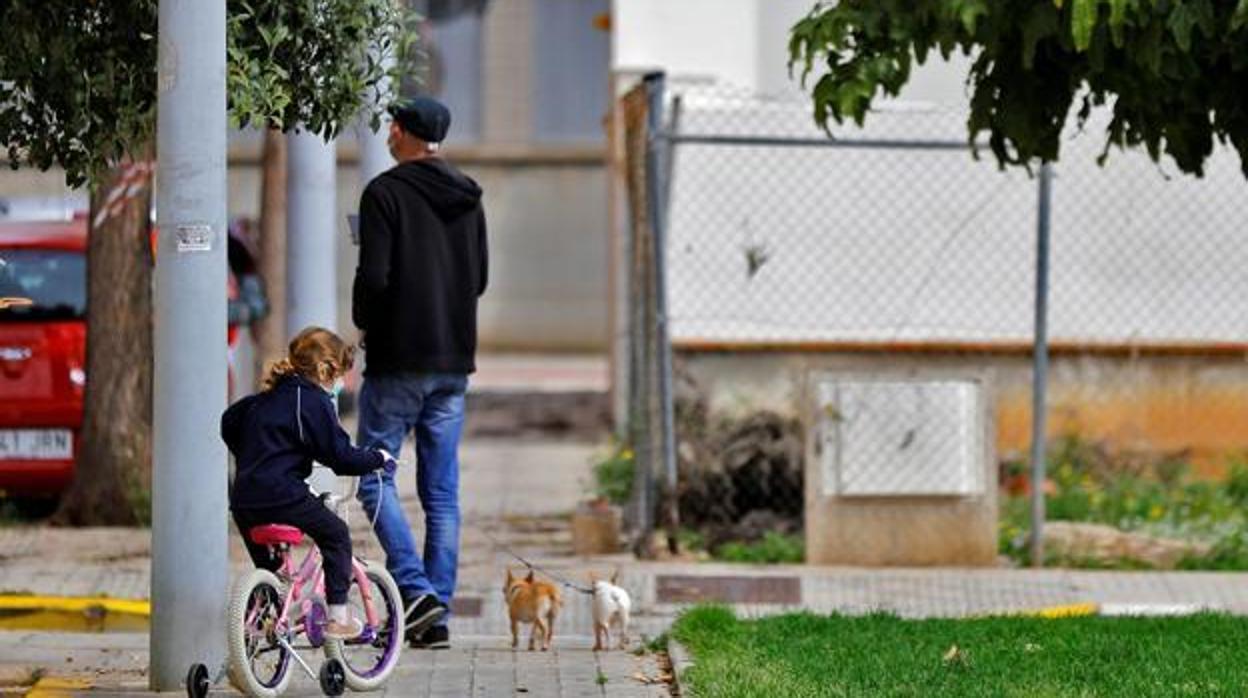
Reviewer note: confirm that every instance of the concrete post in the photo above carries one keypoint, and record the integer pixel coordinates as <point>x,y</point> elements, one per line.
<point>190,563</point>
<point>374,153</point>
<point>311,224</point>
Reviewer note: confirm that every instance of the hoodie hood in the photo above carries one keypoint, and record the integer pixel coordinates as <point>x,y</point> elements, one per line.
<point>449,192</point>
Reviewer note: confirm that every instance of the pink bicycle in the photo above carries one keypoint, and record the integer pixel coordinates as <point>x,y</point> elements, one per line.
<point>273,615</point>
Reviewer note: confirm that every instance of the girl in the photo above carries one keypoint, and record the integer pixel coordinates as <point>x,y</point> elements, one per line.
<point>275,435</point>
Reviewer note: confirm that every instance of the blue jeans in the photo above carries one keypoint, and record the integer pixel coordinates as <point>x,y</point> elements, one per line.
<point>433,405</point>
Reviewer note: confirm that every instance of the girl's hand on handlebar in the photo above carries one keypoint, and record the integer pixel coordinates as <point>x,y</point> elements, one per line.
<point>388,463</point>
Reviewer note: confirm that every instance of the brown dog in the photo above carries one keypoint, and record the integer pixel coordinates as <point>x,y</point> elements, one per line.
<point>531,601</point>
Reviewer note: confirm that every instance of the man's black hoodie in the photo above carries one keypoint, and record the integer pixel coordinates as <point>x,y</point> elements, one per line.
<point>423,264</point>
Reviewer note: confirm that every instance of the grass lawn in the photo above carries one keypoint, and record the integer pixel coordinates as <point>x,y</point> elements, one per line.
<point>810,655</point>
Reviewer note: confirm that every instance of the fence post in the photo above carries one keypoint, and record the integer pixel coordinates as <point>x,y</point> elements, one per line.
<point>1040,368</point>
<point>657,152</point>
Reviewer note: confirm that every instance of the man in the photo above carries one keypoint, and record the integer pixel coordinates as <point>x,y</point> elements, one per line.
<point>422,267</point>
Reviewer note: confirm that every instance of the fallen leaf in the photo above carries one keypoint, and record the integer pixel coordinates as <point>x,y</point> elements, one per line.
<point>955,655</point>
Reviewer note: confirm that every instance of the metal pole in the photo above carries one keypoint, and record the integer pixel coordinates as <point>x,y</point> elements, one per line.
<point>1040,370</point>
<point>190,561</point>
<point>657,196</point>
<point>669,162</point>
<point>311,274</point>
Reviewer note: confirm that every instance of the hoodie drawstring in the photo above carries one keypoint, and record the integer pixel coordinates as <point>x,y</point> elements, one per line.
<point>299,411</point>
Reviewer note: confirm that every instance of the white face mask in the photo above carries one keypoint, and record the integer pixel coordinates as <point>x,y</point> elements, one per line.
<point>337,387</point>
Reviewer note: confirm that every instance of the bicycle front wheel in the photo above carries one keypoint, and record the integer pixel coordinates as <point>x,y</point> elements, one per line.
<point>369,659</point>
<point>258,664</point>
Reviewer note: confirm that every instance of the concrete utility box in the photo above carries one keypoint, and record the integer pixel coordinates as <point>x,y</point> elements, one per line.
<point>901,470</point>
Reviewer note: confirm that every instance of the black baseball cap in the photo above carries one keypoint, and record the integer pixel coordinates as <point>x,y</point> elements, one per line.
<point>423,117</point>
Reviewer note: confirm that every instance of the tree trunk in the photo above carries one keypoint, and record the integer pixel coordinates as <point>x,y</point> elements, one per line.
<point>270,331</point>
<point>112,485</point>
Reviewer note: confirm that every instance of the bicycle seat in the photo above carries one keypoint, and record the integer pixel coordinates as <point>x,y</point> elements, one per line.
<point>275,534</point>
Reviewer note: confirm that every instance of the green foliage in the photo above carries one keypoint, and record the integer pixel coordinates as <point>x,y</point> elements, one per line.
<point>690,539</point>
<point>613,475</point>
<point>1172,71</point>
<point>77,82</point>
<point>1230,553</point>
<point>1159,498</point>
<point>139,497</point>
<point>78,79</point>
<point>807,655</point>
<point>313,63</point>
<point>654,645</point>
<point>773,548</point>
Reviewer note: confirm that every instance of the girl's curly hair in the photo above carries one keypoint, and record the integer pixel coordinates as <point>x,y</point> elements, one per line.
<point>316,354</point>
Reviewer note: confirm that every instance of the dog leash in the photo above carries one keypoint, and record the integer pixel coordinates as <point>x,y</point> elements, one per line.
<point>499,544</point>
<point>507,549</point>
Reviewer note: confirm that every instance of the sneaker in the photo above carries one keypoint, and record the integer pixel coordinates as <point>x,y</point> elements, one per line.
<point>344,631</point>
<point>422,612</point>
<point>437,637</point>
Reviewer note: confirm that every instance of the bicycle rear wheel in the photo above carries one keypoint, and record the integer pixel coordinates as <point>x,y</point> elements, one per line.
<point>258,664</point>
<point>368,660</point>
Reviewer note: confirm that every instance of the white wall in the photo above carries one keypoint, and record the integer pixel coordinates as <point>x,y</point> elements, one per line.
<point>741,42</point>
<point>709,38</point>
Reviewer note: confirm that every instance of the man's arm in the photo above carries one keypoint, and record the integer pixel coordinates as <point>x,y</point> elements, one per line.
<point>373,273</point>
<point>483,252</point>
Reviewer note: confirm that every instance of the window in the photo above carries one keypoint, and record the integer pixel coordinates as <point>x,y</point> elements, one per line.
<point>571,68</point>
<point>55,281</point>
<point>455,57</point>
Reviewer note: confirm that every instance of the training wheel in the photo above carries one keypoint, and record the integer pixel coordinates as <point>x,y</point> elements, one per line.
<point>333,678</point>
<point>197,681</point>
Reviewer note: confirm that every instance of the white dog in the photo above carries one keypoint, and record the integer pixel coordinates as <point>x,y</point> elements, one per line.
<point>611,606</point>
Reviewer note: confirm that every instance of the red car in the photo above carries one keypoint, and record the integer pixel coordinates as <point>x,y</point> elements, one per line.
<point>42,354</point>
<point>43,332</point>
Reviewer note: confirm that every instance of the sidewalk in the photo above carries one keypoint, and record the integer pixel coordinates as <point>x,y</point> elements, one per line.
<point>483,664</point>
<point>115,664</point>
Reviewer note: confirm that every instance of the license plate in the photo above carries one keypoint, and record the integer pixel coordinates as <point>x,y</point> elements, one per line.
<point>36,444</point>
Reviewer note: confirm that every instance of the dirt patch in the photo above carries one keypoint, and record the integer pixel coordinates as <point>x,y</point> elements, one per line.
<point>575,414</point>
<point>739,478</point>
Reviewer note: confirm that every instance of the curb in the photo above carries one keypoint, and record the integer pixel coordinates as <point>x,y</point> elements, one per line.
<point>1148,610</point>
<point>50,687</point>
<point>1072,610</point>
<point>73,613</point>
<point>682,661</point>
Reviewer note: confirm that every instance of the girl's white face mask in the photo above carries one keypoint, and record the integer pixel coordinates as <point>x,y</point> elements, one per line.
<point>337,387</point>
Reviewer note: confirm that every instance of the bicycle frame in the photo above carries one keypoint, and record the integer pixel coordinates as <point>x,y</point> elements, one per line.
<point>309,575</point>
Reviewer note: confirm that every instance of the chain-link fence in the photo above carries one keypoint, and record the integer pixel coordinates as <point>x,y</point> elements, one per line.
<point>869,301</point>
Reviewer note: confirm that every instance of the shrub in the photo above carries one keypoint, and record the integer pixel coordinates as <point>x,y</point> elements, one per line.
<point>613,475</point>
